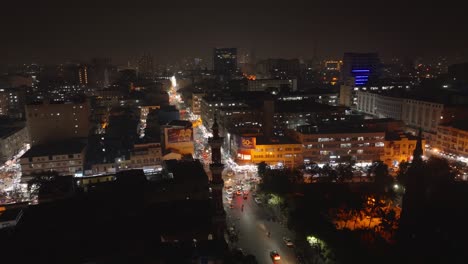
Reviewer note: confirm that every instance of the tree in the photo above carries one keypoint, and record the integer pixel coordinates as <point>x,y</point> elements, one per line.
<point>382,178</point>
<point>262,168</point>
<point>328,174</point>
<point>402,175</point>
<point>276,181</point>
<point>49,185</point>
<point>345,172</point>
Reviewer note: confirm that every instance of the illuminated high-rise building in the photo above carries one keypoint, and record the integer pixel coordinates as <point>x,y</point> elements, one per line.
<point>146,65</point>
<point>225,61</point>
<point>362,67</point>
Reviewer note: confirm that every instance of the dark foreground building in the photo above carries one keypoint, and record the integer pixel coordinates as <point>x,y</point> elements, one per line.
<point>127,218</point>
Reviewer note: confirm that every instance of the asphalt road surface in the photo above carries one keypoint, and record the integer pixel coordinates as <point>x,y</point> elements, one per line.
<point>252,225</point>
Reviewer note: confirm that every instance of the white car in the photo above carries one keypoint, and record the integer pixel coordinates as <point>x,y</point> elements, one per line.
<point>229,191</point>
<point>257,200</point>
<point>229,198</point>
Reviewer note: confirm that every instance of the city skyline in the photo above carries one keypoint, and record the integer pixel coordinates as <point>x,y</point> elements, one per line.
<point>49,32</point>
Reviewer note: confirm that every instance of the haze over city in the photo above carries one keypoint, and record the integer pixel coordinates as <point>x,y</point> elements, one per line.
<point>233,132</point>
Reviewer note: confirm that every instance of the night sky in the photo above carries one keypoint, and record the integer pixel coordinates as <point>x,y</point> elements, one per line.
<point>56,31</point>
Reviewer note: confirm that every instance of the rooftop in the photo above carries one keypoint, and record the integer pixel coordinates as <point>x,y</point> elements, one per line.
<point>59,148</point>
<point>8,131</point>
<point>186,170</point>
<point>337,129</point>
<point>275,141</point>
<point>459,124</point>
<point>303,106</point>
<point>397,135</point>
<point>180,123</point>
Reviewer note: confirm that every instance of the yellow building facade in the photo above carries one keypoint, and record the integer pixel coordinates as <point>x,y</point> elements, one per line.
<point>399,147</point>
<point>275,152</point>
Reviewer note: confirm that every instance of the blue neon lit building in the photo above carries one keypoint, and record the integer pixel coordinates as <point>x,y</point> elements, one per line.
<point>363,67</point>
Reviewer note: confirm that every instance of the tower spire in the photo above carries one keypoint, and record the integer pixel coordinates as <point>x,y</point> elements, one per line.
<point>217,182</point>
<point>215,128</point>
<point>418,151</point>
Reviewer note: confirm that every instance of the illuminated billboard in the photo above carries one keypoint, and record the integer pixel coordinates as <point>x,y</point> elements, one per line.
<point>247,142</point>
<point>177,135</point>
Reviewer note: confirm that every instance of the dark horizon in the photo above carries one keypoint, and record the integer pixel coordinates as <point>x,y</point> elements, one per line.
<point>48,32</point>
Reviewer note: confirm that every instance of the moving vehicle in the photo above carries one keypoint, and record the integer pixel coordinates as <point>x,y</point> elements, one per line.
<point>257,200</point>
<point>288,242</point>
<point>275,256</point>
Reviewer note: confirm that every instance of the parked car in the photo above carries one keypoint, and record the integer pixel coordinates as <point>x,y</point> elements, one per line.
<point>257,200</point>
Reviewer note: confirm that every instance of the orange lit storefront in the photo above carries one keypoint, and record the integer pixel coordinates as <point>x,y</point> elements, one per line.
<point>278,151</point>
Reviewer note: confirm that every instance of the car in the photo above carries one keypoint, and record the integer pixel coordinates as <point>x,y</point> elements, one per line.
<point>229,198</point>
<point>229,191</point>
<point>288,242</point>
<point>257,200</point>
<point>246,196</point>
<point>275,256</point>
<point>239,192</point>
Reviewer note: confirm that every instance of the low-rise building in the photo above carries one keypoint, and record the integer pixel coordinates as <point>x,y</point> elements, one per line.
<point>65,158</point>
<point>143,156</point>
<point>261,85</point>
<point>399,147</point>
<point>178,137</point>
<point>12,141</point>
<point>196,103</point>
<point>452,138</point>
<point>277,151</point>
<point>328,144</point>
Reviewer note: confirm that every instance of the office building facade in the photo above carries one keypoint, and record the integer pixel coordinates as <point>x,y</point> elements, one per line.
<point>225,61</point>
<point>360,67</point>
<point>51,122</point>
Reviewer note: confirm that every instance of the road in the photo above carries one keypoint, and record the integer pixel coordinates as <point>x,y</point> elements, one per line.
<point>252,225</point>
<point>252,222</point>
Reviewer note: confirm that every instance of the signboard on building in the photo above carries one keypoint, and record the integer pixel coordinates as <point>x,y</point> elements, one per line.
<point>177,135</point>
<point>247,142</point>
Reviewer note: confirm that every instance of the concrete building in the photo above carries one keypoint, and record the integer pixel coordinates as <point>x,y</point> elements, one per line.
<point>320,96</point>
<point>210,104</point>
<point>52,122</point>
<point>143,156</point>
<point>399,147</point>
<point>12,101</point>
<point>196,103</point>
<point>277,85</point>
<point>225,61</point>
<point>452,138</point>
<point>12,141</point>
<point>278,68</point>
<point>178,138</point>
<point>415,113</point>
<point>65,158</point>
<point>424,114</point>
<point>339,143</point>
<point>276,151</point>
<point>361,67</point>
<point>379,105</point>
